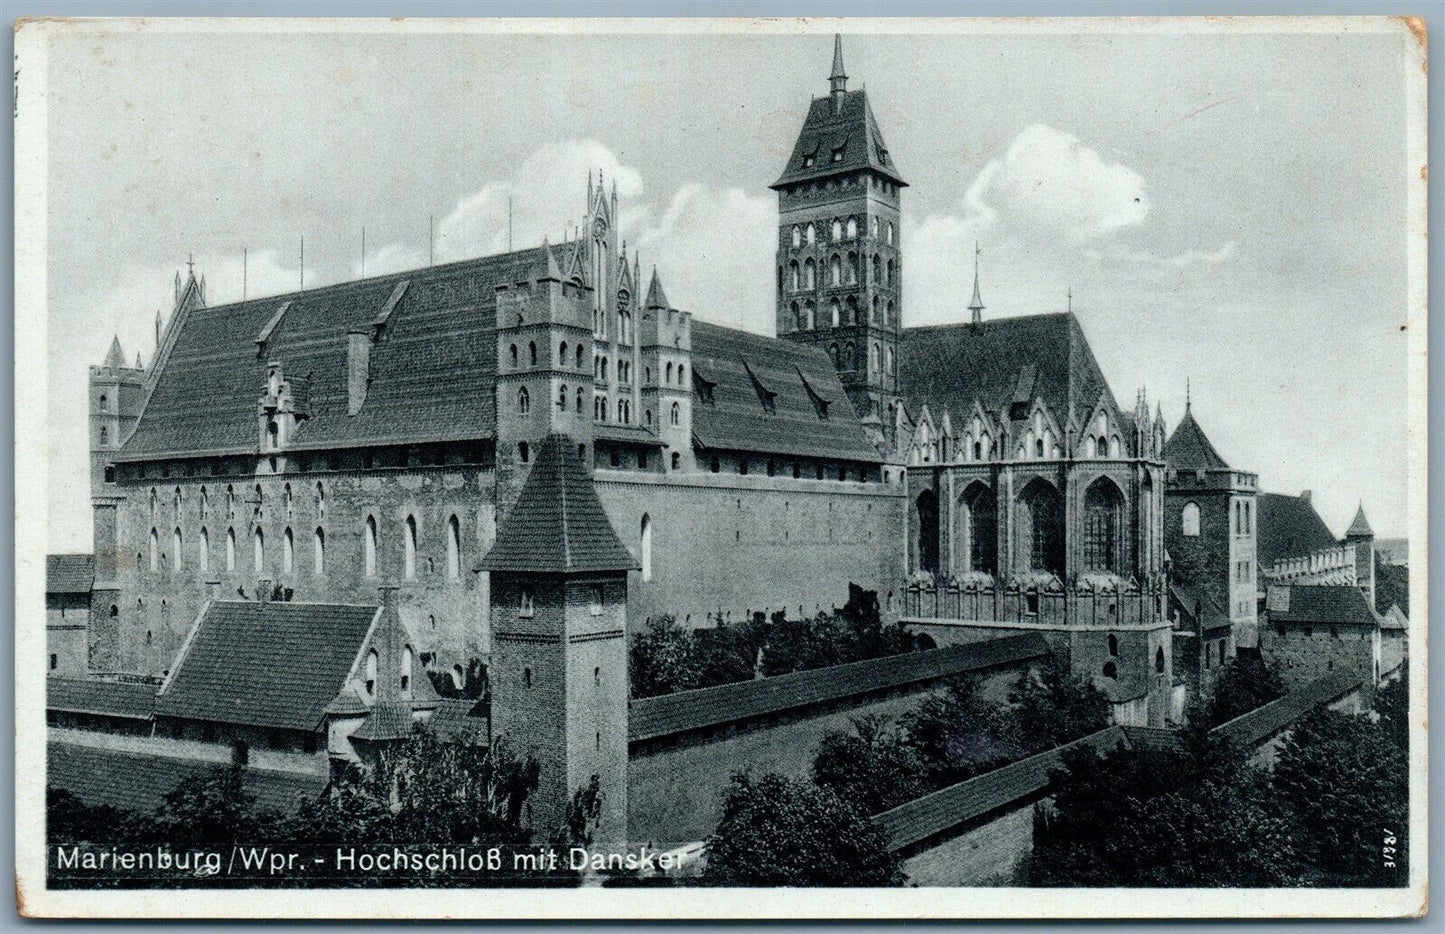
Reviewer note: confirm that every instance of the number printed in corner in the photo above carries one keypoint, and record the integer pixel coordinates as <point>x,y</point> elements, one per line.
<point>1389,852</point>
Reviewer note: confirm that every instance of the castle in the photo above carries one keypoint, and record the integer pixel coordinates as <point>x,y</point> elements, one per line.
<point>535,453</point>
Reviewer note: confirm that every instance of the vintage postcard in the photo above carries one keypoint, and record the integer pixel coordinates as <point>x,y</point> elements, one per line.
<point>796,468</point>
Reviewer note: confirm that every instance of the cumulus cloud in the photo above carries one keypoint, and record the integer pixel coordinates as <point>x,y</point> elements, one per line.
<point>1051,213</point>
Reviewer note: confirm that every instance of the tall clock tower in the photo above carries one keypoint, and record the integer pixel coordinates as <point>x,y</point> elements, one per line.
<point>839,255</point>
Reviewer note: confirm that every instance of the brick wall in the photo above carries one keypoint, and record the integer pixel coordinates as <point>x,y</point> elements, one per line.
<point>1305,653</point>
<point>675,794</point>
<point>731,545</point>
<point>445,614</point>
<point>991,852</point>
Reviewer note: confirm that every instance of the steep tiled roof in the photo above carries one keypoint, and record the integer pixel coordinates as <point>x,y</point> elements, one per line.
<point>1189,449</point>
<point>387,721</point>
<point>136,782</point>
<point>1252,728</point>
<point>460,720</point>
<point>69,573</point>
<point>558,524</point>
<point>691,710</point>
<point>1289,527</point>
<point>431,372</point>
<point>1000,362</point>
<point>103,698</point>
<point>1360,526</point>
<point>266,664</point>
<point>923,817</point>
<point>1187,597</point>
<point>737,420</point>
<point>846,141</point>
<point>1320,603</point>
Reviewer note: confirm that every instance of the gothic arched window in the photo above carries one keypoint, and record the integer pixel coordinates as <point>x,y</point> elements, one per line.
<point>512,353</point>
<point>204,549</point>
<point>812,235</point>
<point>810,275</point>
<point>835,270</point>
<point>797,236</point>
<point>979,515</point>
<point>104,435</point>
<point>579,400</point>
<point>1103,509</point>
<point>155,551</point>
<point>176,549</point>
<point>1189,519</point>
<point>562,397</point>
<point>318,549</point>
<point>288,552</point>
<point>676,415</point>
<point>230,549</point>
<point>793,280</point>
<point>408,548</point>
<point>834,313</point>
<point>837,230</point>
<point>454,548</point>
<point>1041,516</point>
<point>259,551</point>
<point>524,401</point>
<point>368,547</point>
<point>646,561</point>
<point>852,227</point>
<point>532,352</point>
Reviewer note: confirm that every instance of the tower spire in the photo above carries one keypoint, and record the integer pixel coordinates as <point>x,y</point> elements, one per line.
<point>838,80</point>
<point>1187,393</point>
<point>976,305</point>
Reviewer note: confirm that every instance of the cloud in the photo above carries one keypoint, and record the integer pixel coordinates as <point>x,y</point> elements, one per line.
<point>1051,214</point>
<point>1047,180</point>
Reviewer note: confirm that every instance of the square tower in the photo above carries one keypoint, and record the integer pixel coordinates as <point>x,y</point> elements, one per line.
<point>839,255</point>
<point>559,646</point>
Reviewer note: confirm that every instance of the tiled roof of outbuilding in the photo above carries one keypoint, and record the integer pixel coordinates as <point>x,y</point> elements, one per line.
<point>923,817</point>
<point>266,664</point>
<point>852,133</point>
<point>387,721</point>
<point>737,420</point>
<point>652,717</point>
<point>431,372</point>
<point>460,720</point>
<point>1323,603</point>
<point>1189,449</point>
<point>102,698</point>
<point>1000,362</point>
<point>1288,527</point>
<point>139,783</point>
<point>558,524</point>
<point>69,573</point>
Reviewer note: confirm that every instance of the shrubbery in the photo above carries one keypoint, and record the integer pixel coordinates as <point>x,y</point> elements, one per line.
<point>1204,817</point>
<point>668,657</point>
<point>1248,682</point>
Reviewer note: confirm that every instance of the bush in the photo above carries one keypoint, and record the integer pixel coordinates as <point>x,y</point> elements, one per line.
<point>870,766</point>
<point>666,657</point>
<point>1247,682</point>
<point>780,831</point>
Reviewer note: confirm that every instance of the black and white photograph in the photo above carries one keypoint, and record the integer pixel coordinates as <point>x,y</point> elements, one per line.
<point>721,468</point>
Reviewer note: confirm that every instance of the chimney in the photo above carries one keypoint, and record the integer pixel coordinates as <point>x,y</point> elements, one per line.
<point>358,369</point>
<point>263,591</point>
<point>213,589</point>
<point>1304,495</point>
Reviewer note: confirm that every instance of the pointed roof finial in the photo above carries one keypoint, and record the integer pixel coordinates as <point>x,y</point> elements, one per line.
<point>191,265</point>
<point>1360,528</point>
<point>839,78</point>
<point>115,359</point>
<point>1187,394</point>
<point>976,304</point>
<point>656,298</point>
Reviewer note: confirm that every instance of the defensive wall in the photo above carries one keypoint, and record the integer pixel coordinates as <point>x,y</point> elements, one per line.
<point>980,832</point>
<point>725,546</point>
<point>685,747</point>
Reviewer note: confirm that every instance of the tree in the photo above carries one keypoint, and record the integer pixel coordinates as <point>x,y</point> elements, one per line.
<point>1051,707</point>
<point>209,808</point>
<point>1392,703</point>
<point>780,831</point>
<point>1133,818</point>
<point>1347,781</point>
<point>870,766</point>
<point>1247,682</point>
<point>951,733</point>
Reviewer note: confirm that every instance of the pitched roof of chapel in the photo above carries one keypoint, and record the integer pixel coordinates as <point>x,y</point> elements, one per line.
<point>268,664</point>
<point>69,573</point>
<point>558,524</point>
<point>1188,448</point>
<point>1001,361</point>
<point>1288,527</point>
<point>738,370</point>
<point>431,371</point>
<point>839,142</point>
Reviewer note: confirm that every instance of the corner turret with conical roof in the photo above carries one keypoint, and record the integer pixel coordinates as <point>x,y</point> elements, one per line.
<point>665,338</point>
<point>1362,537</point>
<point>1210,532</point>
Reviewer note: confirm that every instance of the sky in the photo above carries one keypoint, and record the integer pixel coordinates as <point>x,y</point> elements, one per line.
<point>1229,209</point>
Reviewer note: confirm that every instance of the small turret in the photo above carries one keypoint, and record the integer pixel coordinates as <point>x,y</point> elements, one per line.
<point>838,80</point>
<point>975,305</point>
